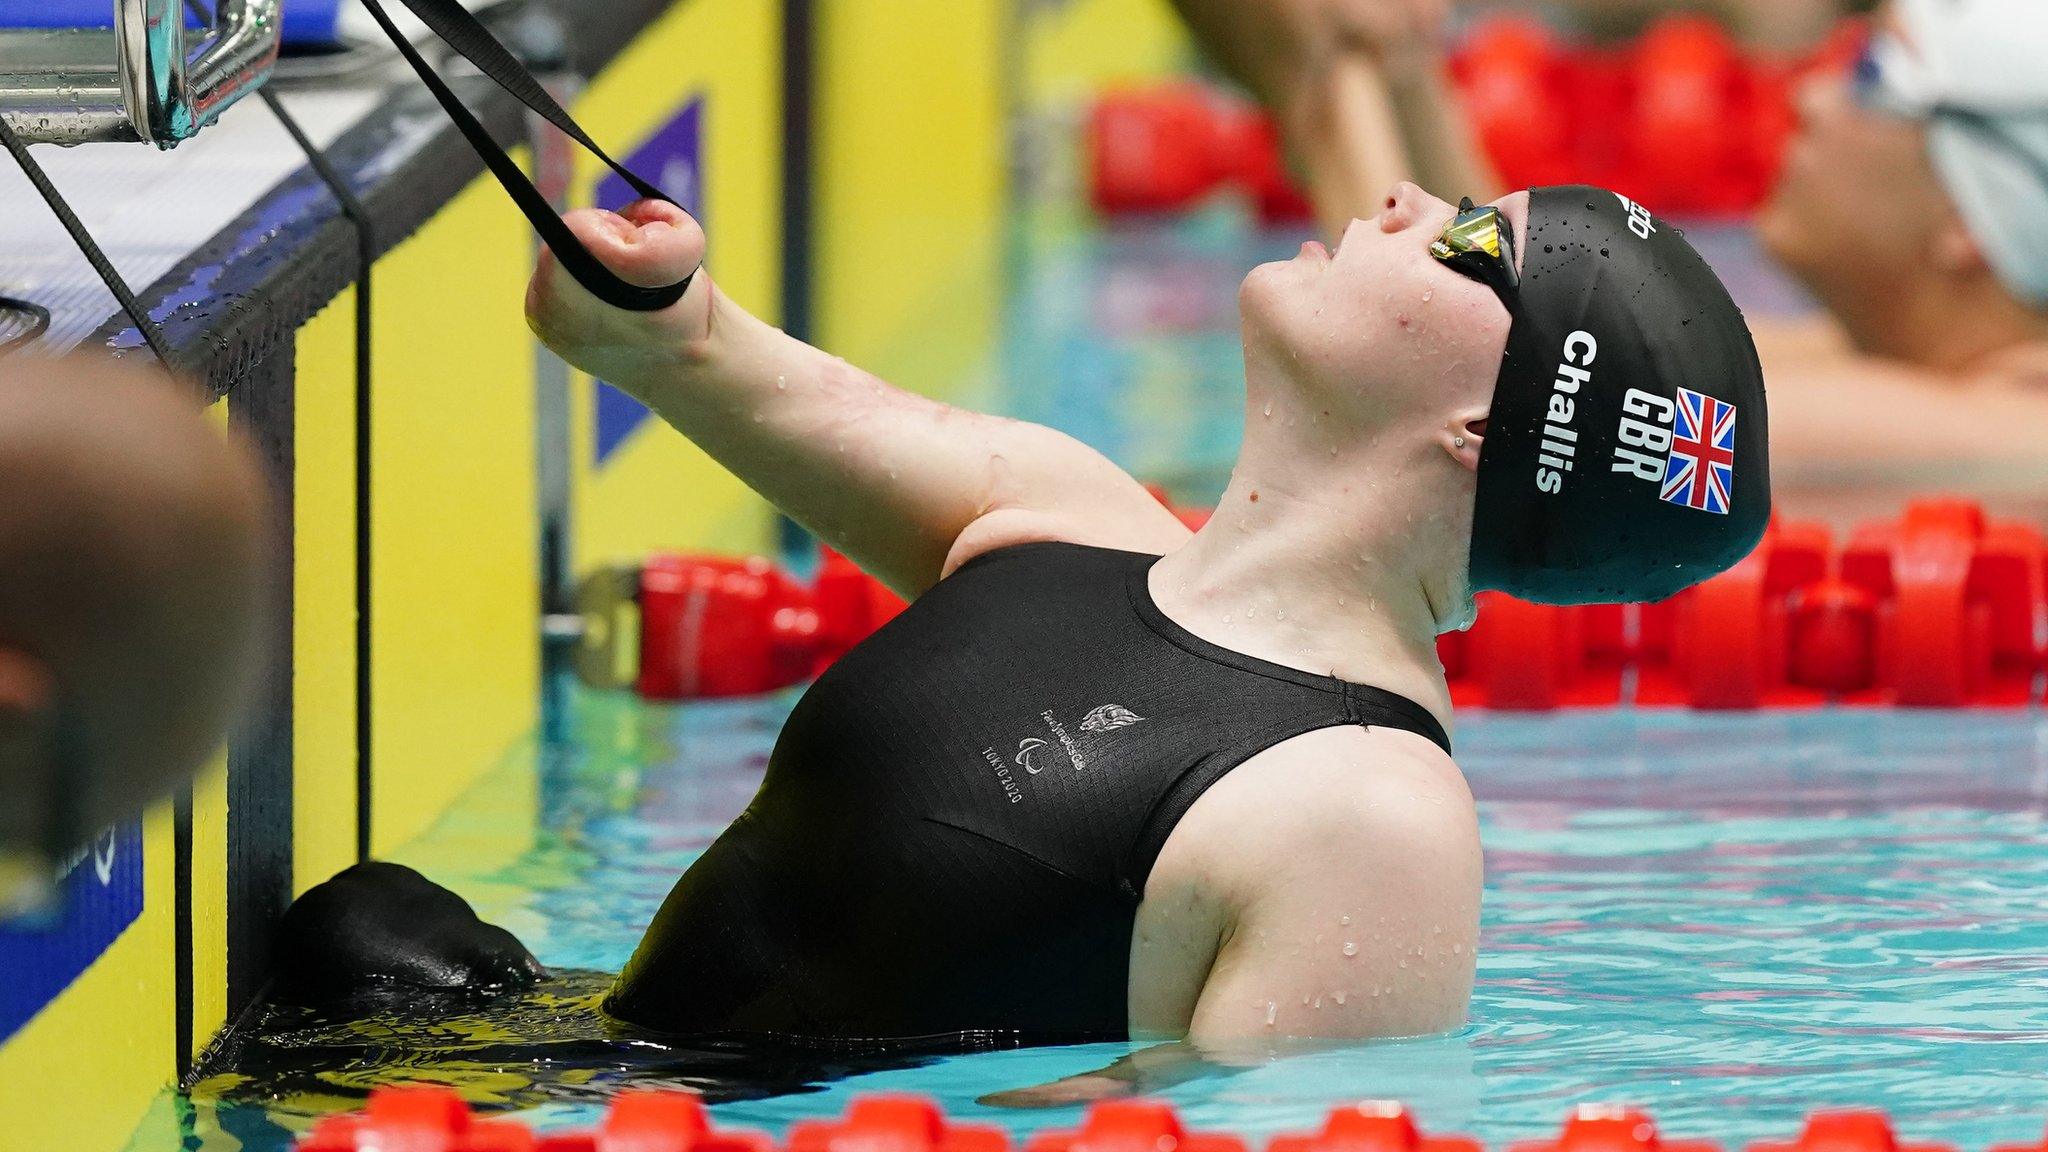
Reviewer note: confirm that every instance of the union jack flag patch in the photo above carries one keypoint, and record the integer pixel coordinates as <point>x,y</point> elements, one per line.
<point>1701,471</point>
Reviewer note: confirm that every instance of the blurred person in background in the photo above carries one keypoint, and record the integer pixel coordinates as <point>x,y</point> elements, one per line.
<point>133,548</point>
<point>1781,25</point>
<point>1912,205</point>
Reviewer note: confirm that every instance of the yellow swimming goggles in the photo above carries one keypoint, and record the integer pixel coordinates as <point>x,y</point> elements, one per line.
<point>1479,244</point>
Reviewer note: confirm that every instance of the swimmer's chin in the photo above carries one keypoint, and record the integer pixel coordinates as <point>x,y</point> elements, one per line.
<point>1262,301</point>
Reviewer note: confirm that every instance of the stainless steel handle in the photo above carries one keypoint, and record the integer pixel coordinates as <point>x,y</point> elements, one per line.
<point>142,81</point>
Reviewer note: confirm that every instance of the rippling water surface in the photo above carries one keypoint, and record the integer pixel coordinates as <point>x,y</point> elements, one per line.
<point>1727,920</point>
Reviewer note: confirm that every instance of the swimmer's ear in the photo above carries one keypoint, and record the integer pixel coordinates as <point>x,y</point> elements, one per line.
<point>1464,437</point>
<point>1956,252</point>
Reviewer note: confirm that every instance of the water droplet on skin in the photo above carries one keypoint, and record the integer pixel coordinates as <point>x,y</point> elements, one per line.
<point>1375,990</point>
<point>1339,997</point>
<point>892,473</point>
<point>1226,617</point>
<point>1251,612</point>
<point>781,383</point>
<point>1269,409</point>
<point>1429,295</point>
<point>1457,949</point>
<point>758,417</point>
<point>1272,1013</point>
<point>1404,963</point>
<point>1318,1004</point>
<point>1304,997</point>
<point>1350,948</point>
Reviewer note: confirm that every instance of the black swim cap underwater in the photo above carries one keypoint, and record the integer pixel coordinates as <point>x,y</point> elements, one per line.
<point>1625,453</point>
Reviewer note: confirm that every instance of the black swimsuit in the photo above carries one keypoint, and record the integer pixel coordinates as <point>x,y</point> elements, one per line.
<point>958,819</point>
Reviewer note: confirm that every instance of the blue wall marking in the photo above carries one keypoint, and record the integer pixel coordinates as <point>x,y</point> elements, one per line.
<point>100,896</point>
<point>305,21</point>
<point>673,158</point>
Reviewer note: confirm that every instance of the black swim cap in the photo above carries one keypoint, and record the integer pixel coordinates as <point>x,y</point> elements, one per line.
<point>1625,453</point>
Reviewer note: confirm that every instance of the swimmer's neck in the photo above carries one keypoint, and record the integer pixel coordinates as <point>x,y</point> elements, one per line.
<point>1329,573</point>
<point>1956,329</point>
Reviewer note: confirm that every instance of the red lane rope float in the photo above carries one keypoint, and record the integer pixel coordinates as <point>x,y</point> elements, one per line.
<point>1682,118</point>
<point>435,1119</point>
<point>1958,605</point>
<point>1133,1126</point>
<point>894,1123</point>
<point>1371,1126</point>
<point>716,626</point>
<point>1848,1131</point>
<point>1726,644</point>
<point>1940,607</point>
<point>1607,1128</point>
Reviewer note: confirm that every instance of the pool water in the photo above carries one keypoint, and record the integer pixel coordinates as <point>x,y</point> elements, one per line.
<point>1728,920</point>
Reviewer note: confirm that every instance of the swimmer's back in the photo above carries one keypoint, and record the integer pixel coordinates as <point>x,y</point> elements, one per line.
<point>960,818</point>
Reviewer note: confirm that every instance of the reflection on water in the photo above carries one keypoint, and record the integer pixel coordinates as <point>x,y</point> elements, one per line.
<point>504,1049</point>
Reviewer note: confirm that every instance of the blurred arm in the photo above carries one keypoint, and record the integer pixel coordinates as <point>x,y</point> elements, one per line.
<point>1346,138</point>
<point>1265,45</point>
<point>1361,93</point>
<point>1442,145</point>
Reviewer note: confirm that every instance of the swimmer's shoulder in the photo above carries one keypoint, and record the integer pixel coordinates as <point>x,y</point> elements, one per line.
<point>1075,495</point>
<point>1323,800</point>
<point>1320,864</point>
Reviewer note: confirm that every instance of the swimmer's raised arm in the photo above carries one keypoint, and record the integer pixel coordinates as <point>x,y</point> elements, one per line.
<point>905,486</point>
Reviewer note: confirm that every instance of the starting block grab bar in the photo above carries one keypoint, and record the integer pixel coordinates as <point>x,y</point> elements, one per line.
<point>149,78</point>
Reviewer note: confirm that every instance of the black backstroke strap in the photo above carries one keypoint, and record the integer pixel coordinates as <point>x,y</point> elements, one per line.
<point>464,33</point>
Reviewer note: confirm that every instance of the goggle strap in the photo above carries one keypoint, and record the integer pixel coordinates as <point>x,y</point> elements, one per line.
<point>464,33</point>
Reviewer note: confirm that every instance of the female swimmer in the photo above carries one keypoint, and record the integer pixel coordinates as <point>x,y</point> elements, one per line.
<point>1106,776</point>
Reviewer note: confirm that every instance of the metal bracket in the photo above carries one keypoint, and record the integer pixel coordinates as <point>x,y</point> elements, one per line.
<point>139,81</point>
